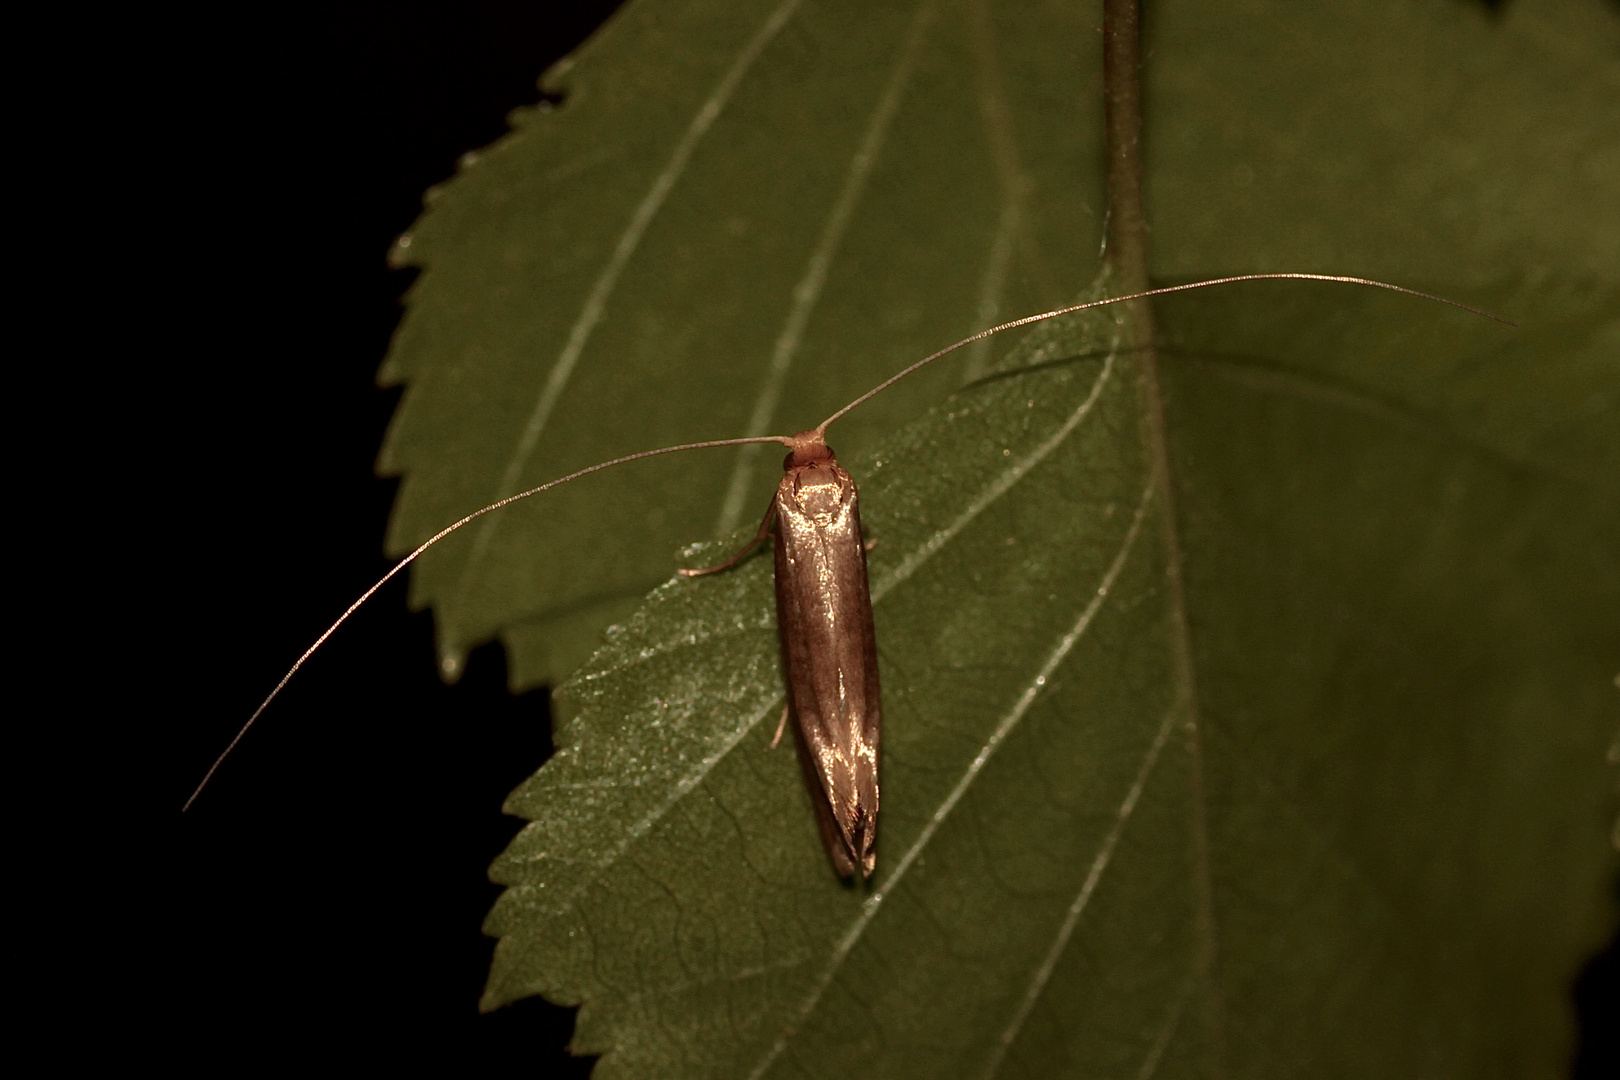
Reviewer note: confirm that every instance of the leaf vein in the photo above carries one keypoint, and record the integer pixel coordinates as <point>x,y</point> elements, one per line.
<point>996,115</point>
<point>1150,1064</point>
<point>596,300</point>
<point>997,488</point>
<point>807,293</point>
<point>1105,854</point>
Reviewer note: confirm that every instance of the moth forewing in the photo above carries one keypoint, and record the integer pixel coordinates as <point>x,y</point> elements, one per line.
<point>829,650</point>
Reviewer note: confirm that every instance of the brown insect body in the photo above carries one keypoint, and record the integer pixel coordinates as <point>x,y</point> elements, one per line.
<point>829,648</point>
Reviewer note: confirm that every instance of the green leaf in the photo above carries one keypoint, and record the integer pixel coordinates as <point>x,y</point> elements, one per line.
<point>676,275</point>
<point>1331,800</point>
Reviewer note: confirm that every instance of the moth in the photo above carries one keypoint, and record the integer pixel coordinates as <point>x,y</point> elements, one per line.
<point>824,608</point>
<point>829,646</point>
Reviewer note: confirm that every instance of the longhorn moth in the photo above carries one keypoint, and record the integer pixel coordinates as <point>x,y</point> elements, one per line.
<point>824,610</point>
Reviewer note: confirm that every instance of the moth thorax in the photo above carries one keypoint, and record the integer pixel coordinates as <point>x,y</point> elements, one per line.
<point>819,491</point>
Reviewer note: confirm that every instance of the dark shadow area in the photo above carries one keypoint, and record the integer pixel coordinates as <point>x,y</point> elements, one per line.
<point>1004,374</point>
<point>1597,1004</point>
<point>324,899</point>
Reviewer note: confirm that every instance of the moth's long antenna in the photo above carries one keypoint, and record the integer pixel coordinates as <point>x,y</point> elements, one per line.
<point>1026,320</point>
<point>434,539</point>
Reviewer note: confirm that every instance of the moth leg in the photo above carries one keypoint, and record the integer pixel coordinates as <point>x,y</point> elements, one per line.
<point>869,545</point>
<point>760,537</point>
<point>781,726</point>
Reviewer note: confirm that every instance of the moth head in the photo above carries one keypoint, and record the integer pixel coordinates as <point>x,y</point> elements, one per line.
<point>809,448</point>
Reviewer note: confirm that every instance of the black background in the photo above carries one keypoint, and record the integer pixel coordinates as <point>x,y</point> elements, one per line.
<point>328,888</point>
<point>325,895</point>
